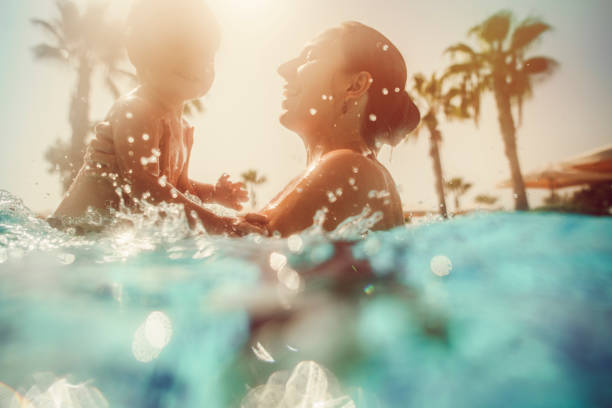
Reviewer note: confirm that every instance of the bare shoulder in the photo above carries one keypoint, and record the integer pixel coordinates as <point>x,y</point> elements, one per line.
<point>344,162</point>
<point>130,107</point>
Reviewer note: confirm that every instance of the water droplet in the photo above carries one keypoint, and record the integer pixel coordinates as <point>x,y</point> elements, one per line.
<point>330,97</point>
<point>295,243</point>
<point>355,170</point>
<point>313,111</point>
<point>397,90</point>
<point>351,181</point>
<point>277,261</point>
<point>144,161</point>
<point>368,290</point>
<point>156,152</point>
<point>339,192</point>
<point>299,189</point>
<point>127,188</point>
<point>324,97</point>
<point>163,181</point>
<point>130,139</point>
<point>129,115</point>
<point>66,259</point>
<point>145,136</point>
<point>440,265</point>
<point>158,329</point>
<point>385,47</point>
<point>261,353</point>
<point>174,193</point>
<point>385,91</point>
<point>131,153</point>
<point>331,197</point>
<point>372,117</point>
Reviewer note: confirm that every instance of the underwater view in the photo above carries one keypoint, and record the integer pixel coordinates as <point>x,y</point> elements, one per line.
<point>305,204</point>
<point>484,310</point>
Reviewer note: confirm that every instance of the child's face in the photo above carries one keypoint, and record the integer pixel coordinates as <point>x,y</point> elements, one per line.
<point>186,74</point>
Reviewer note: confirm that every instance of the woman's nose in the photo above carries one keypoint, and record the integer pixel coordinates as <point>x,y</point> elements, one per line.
<point>288,69</point>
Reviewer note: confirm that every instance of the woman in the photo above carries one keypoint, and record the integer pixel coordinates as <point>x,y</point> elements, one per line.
<point>345,97</point>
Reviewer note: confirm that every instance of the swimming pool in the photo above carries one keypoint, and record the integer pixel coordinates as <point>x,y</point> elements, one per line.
<point>496,309</point>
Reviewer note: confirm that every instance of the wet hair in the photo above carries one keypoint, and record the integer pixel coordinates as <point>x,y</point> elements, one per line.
<point>390,112</point>
<point>157,29</point>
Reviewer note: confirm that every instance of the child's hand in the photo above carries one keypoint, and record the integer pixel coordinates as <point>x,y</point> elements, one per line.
<point>230,194</point>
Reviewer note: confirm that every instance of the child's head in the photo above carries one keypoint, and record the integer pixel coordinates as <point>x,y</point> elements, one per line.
<point>172,44</point>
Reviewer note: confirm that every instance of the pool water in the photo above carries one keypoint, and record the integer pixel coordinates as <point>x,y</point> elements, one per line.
<point>497,309</point>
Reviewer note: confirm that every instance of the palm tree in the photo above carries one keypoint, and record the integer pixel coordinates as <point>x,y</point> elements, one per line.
<point>84,41</point>
<point>430,93</point>
<point>485,199</point>
<point>251,179</point>
<point>458,188</point>
<point>501,66</point>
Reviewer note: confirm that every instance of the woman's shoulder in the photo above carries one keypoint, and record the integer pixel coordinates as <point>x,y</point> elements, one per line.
<point>346,158</point>
<point>343,162</point>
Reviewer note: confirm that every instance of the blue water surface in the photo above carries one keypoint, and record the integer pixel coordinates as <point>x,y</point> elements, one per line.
<point>502,309</point>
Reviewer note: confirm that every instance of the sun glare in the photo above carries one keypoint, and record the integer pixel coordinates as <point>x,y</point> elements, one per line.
<point>243,6</point>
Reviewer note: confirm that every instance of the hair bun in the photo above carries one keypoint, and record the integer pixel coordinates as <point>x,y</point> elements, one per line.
<point>404,120</point>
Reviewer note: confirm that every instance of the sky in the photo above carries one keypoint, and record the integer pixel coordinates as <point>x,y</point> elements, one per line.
<point>570,112</point>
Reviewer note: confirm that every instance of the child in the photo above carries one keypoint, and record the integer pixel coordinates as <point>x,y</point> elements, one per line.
<point>172,44</point>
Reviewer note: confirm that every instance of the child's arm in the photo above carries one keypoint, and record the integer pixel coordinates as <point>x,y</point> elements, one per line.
<point>224,192</point>
<point>136,137</point>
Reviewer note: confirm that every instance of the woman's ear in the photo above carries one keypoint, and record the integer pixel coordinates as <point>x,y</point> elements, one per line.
<point>359,84</point>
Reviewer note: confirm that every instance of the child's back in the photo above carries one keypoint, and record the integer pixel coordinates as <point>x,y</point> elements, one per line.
<point>146,139</point>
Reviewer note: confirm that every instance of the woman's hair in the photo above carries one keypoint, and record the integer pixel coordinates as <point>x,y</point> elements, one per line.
<point>390,113</point>
<point>158,29</point>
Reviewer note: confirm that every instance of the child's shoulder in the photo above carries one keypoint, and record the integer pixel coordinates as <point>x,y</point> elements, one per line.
<point>132,107</point>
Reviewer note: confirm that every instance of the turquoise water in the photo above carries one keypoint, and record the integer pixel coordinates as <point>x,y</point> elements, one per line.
<point>486,310</point>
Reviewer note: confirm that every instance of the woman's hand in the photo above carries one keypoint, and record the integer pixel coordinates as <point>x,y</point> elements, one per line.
<point>252,223</point>
<point>230,194</point>
<point>100,155</point>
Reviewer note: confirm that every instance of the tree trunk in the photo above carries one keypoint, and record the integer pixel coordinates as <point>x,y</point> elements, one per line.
<point>434,152</point>
<point>508,130</point>
<point>79,120</point>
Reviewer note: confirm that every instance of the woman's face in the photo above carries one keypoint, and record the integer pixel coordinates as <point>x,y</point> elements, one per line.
<point>313,94</point>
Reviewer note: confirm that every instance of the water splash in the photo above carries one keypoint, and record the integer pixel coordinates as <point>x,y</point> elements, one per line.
<point>309,385</point>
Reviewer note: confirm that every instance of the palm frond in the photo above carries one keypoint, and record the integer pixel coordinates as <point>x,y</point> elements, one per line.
<point>49,52</point>
<point>527,33</point>
<point>197,104</point>
<point>49,28</point>
<point>419,83</point>
<point>69,22</point>
<point>460,48</point>
<point>495,28</point>
<point>540,65</point>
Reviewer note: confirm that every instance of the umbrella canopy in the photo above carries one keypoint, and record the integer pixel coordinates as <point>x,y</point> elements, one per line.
<point>556,177</point>
<point>596,161</point>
